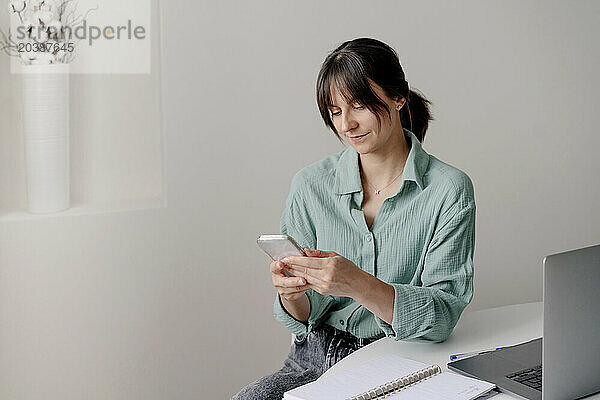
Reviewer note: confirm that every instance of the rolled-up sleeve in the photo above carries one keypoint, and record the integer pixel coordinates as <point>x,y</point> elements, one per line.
<point>430,311</point>
<point>296,222</point>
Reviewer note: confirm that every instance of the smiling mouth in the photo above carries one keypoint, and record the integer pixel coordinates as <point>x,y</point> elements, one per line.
<point>358,137</point>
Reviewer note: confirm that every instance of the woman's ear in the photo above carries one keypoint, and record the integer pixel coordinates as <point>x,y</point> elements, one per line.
<point>399,102</point>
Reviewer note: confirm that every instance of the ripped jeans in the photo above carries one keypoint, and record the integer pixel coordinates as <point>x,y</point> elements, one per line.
<point>310,356</point>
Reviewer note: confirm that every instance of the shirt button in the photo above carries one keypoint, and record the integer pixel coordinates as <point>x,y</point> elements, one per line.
<point>369,238</point>
<point>341,321</point>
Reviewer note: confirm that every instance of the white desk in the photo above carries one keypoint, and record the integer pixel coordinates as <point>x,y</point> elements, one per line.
<point>495,327</point>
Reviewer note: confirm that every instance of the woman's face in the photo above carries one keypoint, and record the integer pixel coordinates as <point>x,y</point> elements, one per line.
<point>358,125</point>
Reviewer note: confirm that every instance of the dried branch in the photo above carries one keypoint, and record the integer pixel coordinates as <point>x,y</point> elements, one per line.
<point>8,45</point>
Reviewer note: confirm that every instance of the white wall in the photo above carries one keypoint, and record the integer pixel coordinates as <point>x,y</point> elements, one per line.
<point>175,302</point>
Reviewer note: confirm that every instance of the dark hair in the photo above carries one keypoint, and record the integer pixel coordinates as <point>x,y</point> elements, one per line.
<point>352,65</point>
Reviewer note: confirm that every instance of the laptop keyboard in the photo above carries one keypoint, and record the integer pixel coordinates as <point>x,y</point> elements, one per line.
<point>531,377</point>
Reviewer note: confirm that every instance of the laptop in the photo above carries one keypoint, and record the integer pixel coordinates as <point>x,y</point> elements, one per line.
<point>566,363</point>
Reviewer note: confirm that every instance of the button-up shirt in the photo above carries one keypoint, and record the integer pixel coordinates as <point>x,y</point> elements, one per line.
<point>421,242</point>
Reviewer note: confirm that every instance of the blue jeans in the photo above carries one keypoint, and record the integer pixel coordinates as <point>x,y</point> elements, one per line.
<point>310,356</point>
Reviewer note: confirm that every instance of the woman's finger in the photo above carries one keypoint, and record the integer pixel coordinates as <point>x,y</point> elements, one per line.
<point>309,273</point>
<point>277,268</point>
<point>309,262</point>
<point>285,282</point>
<point>294,290</point>
<point>320,253</point>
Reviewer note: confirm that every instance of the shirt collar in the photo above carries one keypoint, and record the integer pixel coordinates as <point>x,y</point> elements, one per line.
<point>347,173</point>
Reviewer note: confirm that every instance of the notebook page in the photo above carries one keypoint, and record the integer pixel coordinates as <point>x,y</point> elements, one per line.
<point>445,386</point>
<point>375,372</point>
<point>356,380</point>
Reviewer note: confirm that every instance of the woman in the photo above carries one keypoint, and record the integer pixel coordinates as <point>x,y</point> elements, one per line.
<point>394,225</point>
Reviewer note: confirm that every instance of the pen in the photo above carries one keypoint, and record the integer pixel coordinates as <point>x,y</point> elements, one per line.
<point>460,356</point>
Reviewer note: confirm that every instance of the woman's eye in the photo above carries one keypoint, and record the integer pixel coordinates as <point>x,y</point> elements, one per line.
<point>336,113</point>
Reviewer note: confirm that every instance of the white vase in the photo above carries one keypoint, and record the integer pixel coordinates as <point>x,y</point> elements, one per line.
<point>46,136</point>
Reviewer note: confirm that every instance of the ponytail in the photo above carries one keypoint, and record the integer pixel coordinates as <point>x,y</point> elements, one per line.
<point>415,116</point>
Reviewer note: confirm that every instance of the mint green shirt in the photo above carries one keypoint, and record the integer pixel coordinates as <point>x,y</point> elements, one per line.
<point>421,242</point>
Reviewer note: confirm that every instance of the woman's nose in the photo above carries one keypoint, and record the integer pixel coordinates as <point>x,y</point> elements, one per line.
<point>348,123</point>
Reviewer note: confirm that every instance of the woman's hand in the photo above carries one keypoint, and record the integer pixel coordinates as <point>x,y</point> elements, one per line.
<point>289,288</point>
<point>326,272</point>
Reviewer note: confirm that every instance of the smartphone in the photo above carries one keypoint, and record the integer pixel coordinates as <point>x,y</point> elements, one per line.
<point>279,246</point>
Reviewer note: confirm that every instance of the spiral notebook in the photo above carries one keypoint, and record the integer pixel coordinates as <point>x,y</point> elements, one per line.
<point>392,377</point>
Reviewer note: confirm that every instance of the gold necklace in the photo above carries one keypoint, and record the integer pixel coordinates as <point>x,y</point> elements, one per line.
<point>378,191</point>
